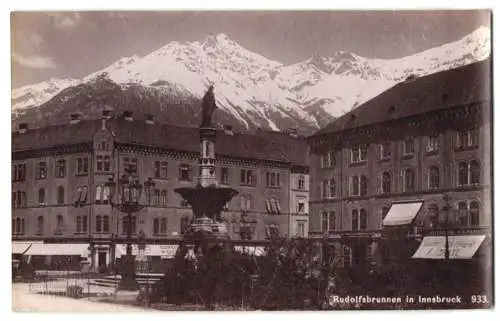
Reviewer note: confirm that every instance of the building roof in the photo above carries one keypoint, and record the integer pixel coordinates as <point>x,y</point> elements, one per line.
<point>263,145</point>
<point>459,86</point>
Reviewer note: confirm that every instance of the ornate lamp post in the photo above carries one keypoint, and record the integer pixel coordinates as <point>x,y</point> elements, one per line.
<point>129,193</point>
<point>446,210</point>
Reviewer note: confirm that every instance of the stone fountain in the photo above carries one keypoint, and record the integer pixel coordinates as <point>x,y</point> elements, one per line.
<point>206,197</point>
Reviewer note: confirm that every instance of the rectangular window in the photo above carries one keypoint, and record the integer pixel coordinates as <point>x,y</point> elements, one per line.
<point>130,165</point>
<point>247,177</point>
<point>468,138</point>
<point>82,166</point>
<point>432,144</point>
<point>161,169</point>
<point>301,229</point>
<point>184,172</point>
<point>385,151</point>
<point>272,179</point>
<point>409,147</point>
<point>19,172</point>
<point>163,226</point>
<point>41,170</point>
<point>359,153</point>
<point>107,164</point>
<point>301,206</point>
<point>224,175</point>
<point>60,168</point>
<point>105,224</point>
<point>99,166</point>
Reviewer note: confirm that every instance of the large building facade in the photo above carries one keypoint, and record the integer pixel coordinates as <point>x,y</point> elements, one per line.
<point>59,176</point>
<point>419,140</point>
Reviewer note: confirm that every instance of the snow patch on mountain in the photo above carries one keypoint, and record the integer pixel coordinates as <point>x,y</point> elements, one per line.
<point>253,88</point>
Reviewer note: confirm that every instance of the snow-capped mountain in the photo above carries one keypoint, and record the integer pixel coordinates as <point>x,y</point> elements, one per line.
<point>251,90</point>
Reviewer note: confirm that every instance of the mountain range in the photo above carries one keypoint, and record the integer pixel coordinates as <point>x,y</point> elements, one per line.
<point>251,91</point>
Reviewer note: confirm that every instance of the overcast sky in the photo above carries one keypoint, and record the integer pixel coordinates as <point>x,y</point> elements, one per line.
<point>68,44</point>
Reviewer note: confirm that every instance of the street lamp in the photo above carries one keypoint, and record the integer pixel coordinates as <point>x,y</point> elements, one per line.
<point>129,192</point>
<point>446,210</point>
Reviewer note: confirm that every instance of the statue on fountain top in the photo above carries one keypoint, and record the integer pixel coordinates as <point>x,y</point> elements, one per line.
<point>208,107</point>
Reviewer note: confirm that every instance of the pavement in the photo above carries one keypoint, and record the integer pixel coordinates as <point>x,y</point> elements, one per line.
<point>25,301</point>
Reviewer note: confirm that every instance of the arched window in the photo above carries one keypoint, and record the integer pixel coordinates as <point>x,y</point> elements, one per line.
<point>462,213</point>
<point>475,172</point>
<point>105,195</point>
<point>363,185</point>
<point>98,224</point>
<point>40,225</point>
<point>324,221</point>
<point>433,177</point>
<point>41,196</point>
<point>386,183</point>
<point>474,213</point>
<point>331,221</point>
<point>355,220</point>
<point>432,216</point>
<point>409,180</point>
<point>98,194</point>
<point>331,187</point>
<point>355,186</point>
<point>18,225</point>
<point>60,195</point>
<point>13,226</point>
<point>324,186</point>
<point>462,174</point>
<point>363,219</point>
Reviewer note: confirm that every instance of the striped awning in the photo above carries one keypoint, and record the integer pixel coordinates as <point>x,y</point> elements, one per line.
<point>460,247</point>
<point>20,247</point>
<point>402,213</point>
<point>81,249</point>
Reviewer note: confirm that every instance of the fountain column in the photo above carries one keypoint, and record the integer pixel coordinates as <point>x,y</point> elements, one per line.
<point>207,157</point>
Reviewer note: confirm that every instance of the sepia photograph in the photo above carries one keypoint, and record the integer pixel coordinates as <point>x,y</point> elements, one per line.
<point>251,160</point>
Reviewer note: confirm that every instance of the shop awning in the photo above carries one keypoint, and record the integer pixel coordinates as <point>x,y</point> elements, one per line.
<point>402,213</point>
<point>460,246</point>
<point>20,247</point>
<point>58,249</point>
<point>252,250</point>
<point>165,251</point>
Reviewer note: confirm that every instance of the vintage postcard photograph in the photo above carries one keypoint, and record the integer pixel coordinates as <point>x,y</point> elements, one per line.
<point>251,160</point>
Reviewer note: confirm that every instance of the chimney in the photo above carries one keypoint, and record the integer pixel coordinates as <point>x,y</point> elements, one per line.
<point>150,119</point>
<point>106,114</point>
<point>127,115</point>
<point>23,128</point>
<point>291,132</point>
<point>228,130</point>
<point>75,118</point>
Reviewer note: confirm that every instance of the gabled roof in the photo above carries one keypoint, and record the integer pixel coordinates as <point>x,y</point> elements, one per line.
<point>459,86</point>
<point>262,146</point>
